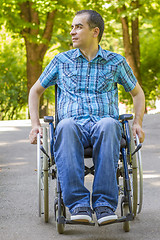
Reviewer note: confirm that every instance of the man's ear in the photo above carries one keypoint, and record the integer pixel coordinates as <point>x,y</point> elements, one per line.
<point>95,32</point>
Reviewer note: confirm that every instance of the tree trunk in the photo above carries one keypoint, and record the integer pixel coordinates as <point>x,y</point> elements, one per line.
<point>132,49</point>
<point>34,70</point>
<point>136,47</point>
<point>34,64</point>
<point>35,50</point>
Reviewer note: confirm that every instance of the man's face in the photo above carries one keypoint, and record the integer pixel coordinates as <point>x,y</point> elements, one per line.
<point>82,35</point>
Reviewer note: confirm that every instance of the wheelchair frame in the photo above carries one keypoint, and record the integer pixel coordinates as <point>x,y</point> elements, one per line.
<point>129,176</point>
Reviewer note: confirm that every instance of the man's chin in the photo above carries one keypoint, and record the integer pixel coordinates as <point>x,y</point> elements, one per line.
<point>75,45</point>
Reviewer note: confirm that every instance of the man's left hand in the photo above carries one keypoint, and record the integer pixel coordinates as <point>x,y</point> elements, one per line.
<point>137,129</point>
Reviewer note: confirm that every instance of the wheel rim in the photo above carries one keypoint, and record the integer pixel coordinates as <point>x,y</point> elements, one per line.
<point>39,171</point>
<point>42,176</point>
<point>133,176</point>
<point>45,179</point>
<point>140,182</point>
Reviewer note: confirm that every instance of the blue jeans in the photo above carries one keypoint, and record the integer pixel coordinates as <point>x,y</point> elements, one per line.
<point>70,141</point>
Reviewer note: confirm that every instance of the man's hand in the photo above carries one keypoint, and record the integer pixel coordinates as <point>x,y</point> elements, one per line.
<point>33,134</point>
<point>137,129</point>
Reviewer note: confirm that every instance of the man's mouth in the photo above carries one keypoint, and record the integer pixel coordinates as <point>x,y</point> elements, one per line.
<point>74,39</point>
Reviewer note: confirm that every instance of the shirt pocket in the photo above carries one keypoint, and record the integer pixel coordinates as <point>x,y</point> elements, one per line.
<point>105,82</point>
<point>69,79</point>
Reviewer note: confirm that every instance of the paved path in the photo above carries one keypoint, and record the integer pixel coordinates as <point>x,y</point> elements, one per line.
<point>18,193</point>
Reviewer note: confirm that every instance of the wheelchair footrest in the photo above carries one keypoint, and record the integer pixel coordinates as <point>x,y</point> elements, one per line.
<point>79,223</point>
<point>63,220</point>
<point>129,217</point>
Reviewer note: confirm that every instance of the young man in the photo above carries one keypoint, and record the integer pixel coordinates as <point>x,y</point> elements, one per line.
<point>87,79</point>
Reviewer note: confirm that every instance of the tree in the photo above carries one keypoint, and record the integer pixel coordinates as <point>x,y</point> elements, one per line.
<point>36,42</point>
<point>34,20</point>
<point>141,52</point>
<point>131,40</point>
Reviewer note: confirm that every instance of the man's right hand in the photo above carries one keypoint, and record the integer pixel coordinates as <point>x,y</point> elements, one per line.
<point>33,134</point>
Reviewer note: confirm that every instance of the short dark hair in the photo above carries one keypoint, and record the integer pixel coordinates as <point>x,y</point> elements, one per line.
<point>94,20</point>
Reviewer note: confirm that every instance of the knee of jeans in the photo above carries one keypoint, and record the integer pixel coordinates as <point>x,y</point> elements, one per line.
<point>107,124</point>
<point>65,125</point>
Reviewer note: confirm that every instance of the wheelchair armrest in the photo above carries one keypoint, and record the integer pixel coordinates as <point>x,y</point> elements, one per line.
<point>48,119</point>
<point>126,117</point>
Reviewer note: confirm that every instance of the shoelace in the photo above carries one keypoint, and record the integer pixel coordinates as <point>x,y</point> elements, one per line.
<point>101,210</point>
<point>84,209</point>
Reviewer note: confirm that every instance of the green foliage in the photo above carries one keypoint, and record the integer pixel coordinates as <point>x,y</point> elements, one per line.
<point>49,94</point>
<point>13,82</point>
<point>11,15</point>
<point>150,65</point>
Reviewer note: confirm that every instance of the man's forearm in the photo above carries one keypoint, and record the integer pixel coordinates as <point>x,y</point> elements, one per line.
<point>34,96</point>
<point>34,108</point>
<point>139,107</point>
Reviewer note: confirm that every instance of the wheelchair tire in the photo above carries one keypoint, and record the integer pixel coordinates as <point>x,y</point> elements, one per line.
<point>126,225</point>
<point>42,175</point>
<point>133,175</point>
<point>140,177</point>
<point>46,204</point>
<point>137,175</point>
<point>39,173</point>
<point>60,226</point>
<point>45,169</point>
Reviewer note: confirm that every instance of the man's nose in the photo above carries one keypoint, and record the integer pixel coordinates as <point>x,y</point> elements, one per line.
<point>73,32</point>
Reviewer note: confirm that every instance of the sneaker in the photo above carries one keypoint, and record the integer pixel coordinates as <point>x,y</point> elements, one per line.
<point>105,215</point>
<point>82,214</point>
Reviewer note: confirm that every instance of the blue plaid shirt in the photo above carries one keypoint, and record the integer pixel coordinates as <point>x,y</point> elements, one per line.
<point>88,90</point>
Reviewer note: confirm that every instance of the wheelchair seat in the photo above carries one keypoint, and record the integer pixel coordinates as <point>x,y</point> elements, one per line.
<point>88,152</point>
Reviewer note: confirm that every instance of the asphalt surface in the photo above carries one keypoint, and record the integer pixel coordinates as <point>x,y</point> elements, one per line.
<point>18,191</point>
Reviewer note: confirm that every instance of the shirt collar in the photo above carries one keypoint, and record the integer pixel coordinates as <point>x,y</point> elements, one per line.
<point>103,53</point>
<point>77,53</point>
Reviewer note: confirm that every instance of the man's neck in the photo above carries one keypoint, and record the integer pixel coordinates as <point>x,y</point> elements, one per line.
<point>90,53</point>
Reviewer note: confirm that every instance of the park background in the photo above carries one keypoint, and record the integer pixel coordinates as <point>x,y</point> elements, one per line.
<point>33,32</point>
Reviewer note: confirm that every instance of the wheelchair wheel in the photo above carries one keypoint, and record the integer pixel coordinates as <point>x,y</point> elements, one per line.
<point>126,225</point>
<point>137,176</point>
<point>133,175</point>
<point>130,205</point>
<point>140,178</point>
<point>42,168</point>
<point>60,226</point>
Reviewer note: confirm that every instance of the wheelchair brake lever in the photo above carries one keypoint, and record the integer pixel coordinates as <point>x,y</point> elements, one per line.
<point>137,149</point>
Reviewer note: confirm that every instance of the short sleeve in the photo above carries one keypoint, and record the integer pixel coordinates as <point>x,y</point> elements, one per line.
<point>50,73</point>
<point>126,77</point>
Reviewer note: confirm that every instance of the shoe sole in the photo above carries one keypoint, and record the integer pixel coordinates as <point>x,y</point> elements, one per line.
<point>107,219</point>
<point>81,218</point>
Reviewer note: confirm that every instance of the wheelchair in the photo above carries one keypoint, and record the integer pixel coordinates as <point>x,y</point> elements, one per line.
<point>129,175</point>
